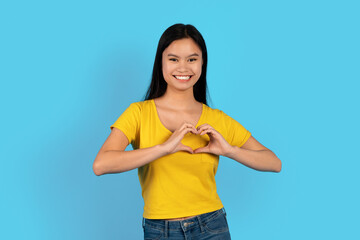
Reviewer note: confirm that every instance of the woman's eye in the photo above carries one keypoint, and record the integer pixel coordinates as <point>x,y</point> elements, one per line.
<point>192,59</point>
<point>173,59</point>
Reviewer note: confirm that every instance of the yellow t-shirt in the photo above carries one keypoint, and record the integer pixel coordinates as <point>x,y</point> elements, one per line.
<point>180,184</point>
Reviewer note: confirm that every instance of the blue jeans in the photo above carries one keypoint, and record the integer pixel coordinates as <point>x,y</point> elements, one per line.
<point>212,225</point>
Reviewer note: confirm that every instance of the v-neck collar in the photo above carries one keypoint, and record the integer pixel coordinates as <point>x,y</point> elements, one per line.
<point>159,121</point>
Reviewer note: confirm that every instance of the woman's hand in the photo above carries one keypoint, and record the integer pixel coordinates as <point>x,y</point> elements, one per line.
<point>217,144</point>
<point>173,144</point>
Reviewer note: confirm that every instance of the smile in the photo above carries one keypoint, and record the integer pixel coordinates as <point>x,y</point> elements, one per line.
<point>184,77</point>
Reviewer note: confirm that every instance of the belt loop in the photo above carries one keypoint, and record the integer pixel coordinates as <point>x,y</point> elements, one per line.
<point>224,211</point>
<point>143,222</point>
<point>166,228</point>
<point>200,223</point>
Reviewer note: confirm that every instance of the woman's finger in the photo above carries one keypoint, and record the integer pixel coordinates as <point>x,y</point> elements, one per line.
<point>174,142</point>
<point>204,126</point>
<point>204,129</point>
<point>208,131</point>
<point>182,147</point>
<point>188,127</point>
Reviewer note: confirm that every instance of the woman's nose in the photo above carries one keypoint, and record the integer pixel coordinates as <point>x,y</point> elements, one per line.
<point>182,66</point>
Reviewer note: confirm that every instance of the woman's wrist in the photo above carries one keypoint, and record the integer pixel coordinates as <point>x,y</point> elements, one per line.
<point>163,150</point>
<point>229,151</point>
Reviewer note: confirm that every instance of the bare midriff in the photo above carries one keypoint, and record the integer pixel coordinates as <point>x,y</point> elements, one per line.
<point>177,219</point>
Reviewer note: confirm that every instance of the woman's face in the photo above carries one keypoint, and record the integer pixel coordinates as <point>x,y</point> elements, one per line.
<point>182,63</point>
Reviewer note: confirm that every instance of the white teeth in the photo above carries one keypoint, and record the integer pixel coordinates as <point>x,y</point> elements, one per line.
<point>182,77</point>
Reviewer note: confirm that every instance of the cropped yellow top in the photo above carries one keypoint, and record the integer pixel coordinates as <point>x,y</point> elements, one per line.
<point>179,184</point>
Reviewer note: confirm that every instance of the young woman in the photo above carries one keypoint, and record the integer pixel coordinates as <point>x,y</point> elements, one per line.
<point>177,140</point>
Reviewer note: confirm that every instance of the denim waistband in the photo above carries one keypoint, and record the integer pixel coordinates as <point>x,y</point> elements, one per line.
<point>166,224</point>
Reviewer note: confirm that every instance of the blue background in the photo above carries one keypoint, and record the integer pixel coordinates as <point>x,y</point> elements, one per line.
<point>287,70</point>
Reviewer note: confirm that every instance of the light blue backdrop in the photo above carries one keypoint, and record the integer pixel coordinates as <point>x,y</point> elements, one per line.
<point>287,70</point>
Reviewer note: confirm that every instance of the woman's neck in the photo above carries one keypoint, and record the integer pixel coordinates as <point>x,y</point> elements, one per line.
<point>181,100</point>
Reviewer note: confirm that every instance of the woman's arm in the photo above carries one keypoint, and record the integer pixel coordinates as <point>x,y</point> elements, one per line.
<point>254,155</point>
<point>112,157</point>
<point>116,161</point>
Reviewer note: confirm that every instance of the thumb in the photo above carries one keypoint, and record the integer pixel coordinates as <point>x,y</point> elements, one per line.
<point>185,148</point>
<point>202,150</point>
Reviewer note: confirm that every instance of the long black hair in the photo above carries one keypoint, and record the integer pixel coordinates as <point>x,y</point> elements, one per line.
<point>158,85</point>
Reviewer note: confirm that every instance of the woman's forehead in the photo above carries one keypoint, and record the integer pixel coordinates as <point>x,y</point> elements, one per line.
<point>183,46</point>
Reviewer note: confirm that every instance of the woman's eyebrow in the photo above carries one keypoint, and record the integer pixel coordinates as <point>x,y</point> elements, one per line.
<point>191,55</point>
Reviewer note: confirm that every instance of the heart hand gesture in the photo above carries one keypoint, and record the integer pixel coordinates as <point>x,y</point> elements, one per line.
<point>217,144</point>
<point>173,144</point>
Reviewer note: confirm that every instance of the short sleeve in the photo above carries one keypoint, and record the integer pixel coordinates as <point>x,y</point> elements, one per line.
<point>237,134</point>
<point>129,122</point>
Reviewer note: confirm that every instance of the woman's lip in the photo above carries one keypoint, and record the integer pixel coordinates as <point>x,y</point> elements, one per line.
<point>183,80</point>
<point>182,76</point>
